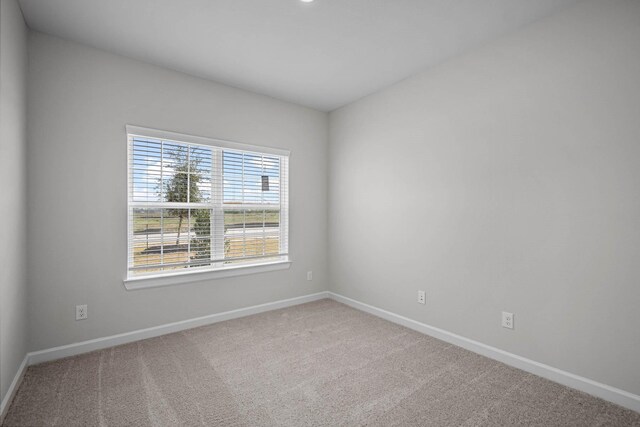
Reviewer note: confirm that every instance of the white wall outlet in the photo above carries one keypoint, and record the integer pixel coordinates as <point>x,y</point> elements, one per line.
<point>507,320</point>
<point>309,275</point>
<point>81,312</point>
<point>422,297</point>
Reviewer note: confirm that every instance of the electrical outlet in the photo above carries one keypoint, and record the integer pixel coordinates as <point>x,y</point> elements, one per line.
<point>422,297</point>
<point>309,275</point>
<point>81,312</point>
<point>507,320</point>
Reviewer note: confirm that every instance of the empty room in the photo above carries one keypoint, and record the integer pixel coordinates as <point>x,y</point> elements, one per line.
<point>320,213</point>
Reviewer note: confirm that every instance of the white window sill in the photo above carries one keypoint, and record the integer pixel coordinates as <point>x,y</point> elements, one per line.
<point>154,281</point>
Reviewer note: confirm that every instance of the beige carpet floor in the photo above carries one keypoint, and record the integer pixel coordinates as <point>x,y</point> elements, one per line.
<point>321,363</point>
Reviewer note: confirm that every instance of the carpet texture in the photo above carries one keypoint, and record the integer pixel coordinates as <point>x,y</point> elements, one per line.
<point>321,363</point>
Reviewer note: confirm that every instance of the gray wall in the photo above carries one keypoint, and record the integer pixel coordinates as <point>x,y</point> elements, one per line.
<point>13,208</point>
<point>506,179</point>
<point>80,100</point>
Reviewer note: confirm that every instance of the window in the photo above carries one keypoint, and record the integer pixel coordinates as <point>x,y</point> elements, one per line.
<point>197,204</point>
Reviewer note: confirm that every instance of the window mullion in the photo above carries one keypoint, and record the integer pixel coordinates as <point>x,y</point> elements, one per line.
<point>264,213</point>
<point>244,214</point>
<point>189,234</point>
<point>217,217</point>
<point>188,174</point>
<point>162,198</point>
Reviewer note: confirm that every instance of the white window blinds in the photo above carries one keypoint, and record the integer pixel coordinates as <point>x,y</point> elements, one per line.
<point>203,205</point>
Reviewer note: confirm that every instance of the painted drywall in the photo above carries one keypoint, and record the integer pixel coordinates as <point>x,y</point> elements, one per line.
<point>13,207</point>
<point>79,102</point>
<point>506,179</point>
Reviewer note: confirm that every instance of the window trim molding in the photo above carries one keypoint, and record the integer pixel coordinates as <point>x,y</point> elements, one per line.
<point>202,140</point>
<point>155,281</point>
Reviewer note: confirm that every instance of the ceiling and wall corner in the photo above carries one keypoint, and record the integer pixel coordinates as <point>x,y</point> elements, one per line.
<point>323,54</point>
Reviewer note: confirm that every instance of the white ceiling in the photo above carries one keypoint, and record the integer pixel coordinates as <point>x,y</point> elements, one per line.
<point>323,54</point>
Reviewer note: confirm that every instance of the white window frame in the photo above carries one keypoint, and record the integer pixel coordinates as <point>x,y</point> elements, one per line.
<point>219,271</point>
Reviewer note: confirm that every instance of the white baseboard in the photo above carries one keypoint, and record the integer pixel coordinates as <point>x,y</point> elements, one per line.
<point>113,340</point>
<point>13,388</point>
<point>594,388</point>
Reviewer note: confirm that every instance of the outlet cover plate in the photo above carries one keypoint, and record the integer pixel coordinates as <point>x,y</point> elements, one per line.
<point>422,297</point>
<point>81,312</point>
<point>507,320</point>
